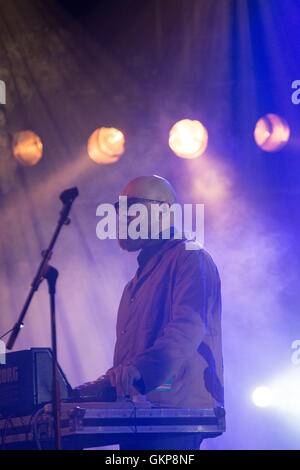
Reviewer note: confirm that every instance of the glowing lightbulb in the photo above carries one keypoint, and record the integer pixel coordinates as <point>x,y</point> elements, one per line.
<point>271,133</point>
<point>27,148</point>
<point>262,396</point>
<point>106,145</point>
<point>188,139</point>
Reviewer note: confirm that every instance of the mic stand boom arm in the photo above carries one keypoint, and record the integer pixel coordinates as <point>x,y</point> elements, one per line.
<point>67,198</point>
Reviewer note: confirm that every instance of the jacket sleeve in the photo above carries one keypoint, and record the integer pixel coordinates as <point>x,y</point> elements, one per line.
<point>184,332</point>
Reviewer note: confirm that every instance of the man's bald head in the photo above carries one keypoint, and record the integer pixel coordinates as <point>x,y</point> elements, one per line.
<point>150,190</point>
<point>150,187</point>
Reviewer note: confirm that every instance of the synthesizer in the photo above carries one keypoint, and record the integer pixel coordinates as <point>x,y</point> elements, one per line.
<point>26,418</point>
<point>85,425</point>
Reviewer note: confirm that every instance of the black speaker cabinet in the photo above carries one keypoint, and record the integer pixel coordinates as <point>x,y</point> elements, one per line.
<point>26,381</point>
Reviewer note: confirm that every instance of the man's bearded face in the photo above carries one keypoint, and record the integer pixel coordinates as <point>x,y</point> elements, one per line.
<point>128,243</point>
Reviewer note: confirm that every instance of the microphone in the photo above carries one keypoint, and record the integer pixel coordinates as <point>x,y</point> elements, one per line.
<point>68,196</point>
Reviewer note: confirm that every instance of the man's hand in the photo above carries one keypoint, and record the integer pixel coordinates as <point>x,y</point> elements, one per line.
<point>95,388</point>
<point>123,378</point>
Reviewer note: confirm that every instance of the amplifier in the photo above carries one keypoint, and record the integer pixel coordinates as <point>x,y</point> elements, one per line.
<point>26,381</point>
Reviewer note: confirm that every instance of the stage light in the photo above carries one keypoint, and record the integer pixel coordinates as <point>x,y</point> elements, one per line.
<point>271,133</point>
<point>262,396</point>
<point>282,393</point>
<point>106,145</point>
<point>188,139</point>
<point>27,148</point>
<point>287,392</point>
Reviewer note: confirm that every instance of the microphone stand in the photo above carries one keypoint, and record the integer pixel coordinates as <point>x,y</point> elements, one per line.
<point>45,271</point>
<point>51,275</point>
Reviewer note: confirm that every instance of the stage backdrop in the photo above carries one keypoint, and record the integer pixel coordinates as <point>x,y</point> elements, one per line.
<point>140,67</point>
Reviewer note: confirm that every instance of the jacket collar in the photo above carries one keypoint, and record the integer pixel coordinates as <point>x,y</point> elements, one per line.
<point>153,247</point>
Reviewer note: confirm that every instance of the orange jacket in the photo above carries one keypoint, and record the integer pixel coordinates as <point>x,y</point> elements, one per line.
<point>169,326</point>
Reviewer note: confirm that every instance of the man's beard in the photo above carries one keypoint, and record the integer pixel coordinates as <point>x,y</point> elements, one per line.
<point>129,244</point>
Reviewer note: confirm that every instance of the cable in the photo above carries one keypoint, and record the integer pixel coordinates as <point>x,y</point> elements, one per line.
<point>7,421</point>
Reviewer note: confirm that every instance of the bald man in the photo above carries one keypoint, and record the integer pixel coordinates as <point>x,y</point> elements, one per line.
<point>168,346</point>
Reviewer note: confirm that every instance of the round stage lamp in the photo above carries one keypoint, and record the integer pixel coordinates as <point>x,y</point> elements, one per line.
<point>27,148</point>
<point>106,145</point>
<point>188,139</point>
<point>262,397</point>
<point>271,133</point>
